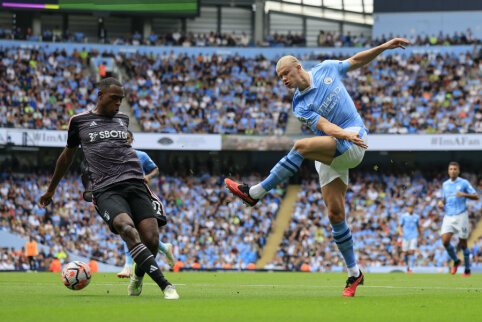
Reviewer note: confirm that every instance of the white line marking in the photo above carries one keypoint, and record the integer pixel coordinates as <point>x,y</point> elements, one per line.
<point>373,286</point>
<point>282,286</point>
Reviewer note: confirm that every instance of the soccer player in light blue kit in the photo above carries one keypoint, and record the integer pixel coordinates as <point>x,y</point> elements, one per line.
<point>150,171</point>
<point>409,230</point>
<point>456,220</point>
<point>322,102</point>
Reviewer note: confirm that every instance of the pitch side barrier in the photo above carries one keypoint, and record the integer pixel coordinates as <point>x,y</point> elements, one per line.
<point>215,142</point>
<point>269,52</point>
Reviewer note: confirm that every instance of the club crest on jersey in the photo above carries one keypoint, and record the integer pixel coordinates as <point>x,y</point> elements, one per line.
<point>328,80</point>
<point>458,187</point>
<point>93,136</point>
<point>121,123</point>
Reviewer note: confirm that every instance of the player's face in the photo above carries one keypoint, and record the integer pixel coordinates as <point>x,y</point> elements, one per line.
<point>110,100</point>
<point>129,138</point>
<point>410,209</point>
<point>290,75</point>
<point>454,171</point>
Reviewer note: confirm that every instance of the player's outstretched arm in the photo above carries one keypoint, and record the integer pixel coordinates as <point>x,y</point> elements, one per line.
<point>362,58</point>
<point>337,132</point>
<point>472,196</point>
<point>63,164</point>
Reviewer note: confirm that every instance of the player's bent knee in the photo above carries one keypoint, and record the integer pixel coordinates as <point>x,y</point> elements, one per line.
<point>336,215</point>
<point>301,146</point>
<point>127,231</point>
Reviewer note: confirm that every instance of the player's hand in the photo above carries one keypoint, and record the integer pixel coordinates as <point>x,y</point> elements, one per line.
<point>355,138</point>
<point>397,43</point>
<point>440,204</point>
<point>147,180</point>
<point>46,199</point>
<point>460,194</point>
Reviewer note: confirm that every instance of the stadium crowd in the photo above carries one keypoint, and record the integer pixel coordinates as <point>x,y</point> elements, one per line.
<point>375,203</point>
<point>421,93</point>
<point>237,39</point>
<point>211,229</point>
<point>208,228</point>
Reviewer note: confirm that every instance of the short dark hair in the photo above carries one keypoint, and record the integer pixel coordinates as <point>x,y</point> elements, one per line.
<point>455,164</point>
<point>105,84</point>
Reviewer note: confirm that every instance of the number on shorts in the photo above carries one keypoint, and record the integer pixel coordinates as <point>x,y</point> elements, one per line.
<point>157,207</point>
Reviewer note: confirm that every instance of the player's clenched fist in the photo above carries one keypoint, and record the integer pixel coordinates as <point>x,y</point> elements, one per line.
<point>46,199</point>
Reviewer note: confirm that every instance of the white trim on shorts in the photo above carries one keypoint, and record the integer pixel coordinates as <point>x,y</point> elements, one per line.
<point>340,165</point>
<point>457,224</point>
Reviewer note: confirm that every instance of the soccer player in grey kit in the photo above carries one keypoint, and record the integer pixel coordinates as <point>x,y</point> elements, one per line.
<point>119,192</point>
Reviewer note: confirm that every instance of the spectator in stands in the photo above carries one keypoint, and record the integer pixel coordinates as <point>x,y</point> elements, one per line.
<point>32,252</point>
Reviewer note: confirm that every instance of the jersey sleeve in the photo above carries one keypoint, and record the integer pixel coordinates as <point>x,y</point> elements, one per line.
<point>73,137</point>
<point>340,66</point>
<point>343,66</point>
<point>468,188</point>
<point>400,221</point>
<point>306,116</point>
<point>147,164</point>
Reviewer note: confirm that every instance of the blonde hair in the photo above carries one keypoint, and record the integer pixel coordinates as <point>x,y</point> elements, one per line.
<point>292,60</point>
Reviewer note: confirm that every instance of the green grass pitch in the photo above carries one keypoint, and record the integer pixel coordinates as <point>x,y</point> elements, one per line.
<point>256,296</point>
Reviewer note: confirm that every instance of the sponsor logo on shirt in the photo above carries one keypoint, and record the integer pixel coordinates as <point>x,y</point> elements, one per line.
<point>329,102</point>
<point>107,135</point>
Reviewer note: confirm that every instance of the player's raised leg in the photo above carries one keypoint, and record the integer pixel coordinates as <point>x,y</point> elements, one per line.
<point>320,148</point>
<point>451,251</point>
<point>166,249</point>
<point>334,197</point>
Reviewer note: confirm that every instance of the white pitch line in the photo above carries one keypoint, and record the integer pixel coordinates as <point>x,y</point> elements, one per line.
<point>374,286</point>
<point>289,286</point>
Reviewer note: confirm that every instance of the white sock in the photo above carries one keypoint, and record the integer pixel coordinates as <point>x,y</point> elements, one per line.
<point>257,191</point>
<point>353,271</point>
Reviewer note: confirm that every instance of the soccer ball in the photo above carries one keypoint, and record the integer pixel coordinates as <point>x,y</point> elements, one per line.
<point>76,275</point>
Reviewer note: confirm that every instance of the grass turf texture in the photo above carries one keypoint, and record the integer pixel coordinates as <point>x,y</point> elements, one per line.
<point>244,297</point>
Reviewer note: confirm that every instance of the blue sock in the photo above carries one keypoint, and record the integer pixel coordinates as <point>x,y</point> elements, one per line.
<point>405,258</point>
<point>412,261</point>
<point>466,259</point>
<point>129,259</point>
<point>162,246</point>
<point>451,251</point>
<point>344,241</point>
<point>285,168</point>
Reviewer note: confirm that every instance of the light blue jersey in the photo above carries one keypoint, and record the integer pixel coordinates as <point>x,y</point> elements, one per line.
<point>409,223</point>
<point>327,97</point>
<point>147,164</point>
<point>455,205</point>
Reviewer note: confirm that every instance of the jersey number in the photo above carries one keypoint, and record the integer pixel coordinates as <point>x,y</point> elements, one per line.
<point>157,207</point>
